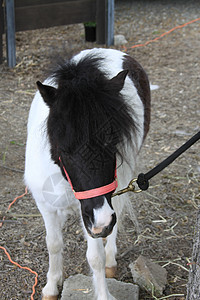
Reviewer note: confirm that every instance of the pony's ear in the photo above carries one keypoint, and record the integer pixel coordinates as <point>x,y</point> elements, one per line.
<point>47,92</point>
<point>118,80</point>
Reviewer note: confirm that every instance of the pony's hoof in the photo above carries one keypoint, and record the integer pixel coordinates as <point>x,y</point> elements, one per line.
<point>49,297</point>
<point>111,272</point>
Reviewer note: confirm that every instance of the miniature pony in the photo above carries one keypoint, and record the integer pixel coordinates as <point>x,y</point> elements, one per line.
<point>86,126</point>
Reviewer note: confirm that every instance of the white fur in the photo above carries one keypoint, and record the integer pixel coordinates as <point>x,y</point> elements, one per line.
<point>40,170</point>
<point>102,216</point>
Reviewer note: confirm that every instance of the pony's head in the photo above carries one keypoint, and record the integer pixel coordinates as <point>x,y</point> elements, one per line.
<point>87,121</point>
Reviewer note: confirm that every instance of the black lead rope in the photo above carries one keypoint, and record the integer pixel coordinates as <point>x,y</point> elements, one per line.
<point>143,179</point>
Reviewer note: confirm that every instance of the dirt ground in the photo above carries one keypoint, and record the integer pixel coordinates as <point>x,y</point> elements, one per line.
<point>167,211</point>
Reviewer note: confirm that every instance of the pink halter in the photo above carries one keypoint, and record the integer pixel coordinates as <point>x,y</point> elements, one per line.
<point>93,192</point>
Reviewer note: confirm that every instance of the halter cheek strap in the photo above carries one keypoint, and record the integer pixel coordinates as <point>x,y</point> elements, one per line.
<point>93,192</point>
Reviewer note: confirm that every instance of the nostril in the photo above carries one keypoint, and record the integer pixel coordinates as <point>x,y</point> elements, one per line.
<point>112,223</point>
<point>113,220</point>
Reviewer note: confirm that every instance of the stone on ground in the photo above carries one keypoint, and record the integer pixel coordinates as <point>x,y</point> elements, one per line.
<point>79,287</point>
<point>119,40</point>
<point>149,275</point>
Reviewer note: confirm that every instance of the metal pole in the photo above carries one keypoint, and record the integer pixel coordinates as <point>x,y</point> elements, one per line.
<point>10,33</point>
<point>110,23</point>
<point>1,31</point>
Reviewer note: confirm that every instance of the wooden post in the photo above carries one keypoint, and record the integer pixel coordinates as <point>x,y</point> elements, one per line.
<point>1,31</point>
<point>100,20</point>
<point>10,33</point>
<point>193,288</point>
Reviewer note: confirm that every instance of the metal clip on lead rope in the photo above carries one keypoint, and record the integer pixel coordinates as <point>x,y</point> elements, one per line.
<point>130,188</point>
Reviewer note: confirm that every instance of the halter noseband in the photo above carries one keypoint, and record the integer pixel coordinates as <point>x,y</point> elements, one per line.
<point>93,192</point>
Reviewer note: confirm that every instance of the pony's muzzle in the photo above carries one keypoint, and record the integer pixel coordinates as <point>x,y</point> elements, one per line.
<point>103,232</point>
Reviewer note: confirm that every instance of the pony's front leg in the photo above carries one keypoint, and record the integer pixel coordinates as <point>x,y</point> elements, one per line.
<point>96,258</point>
<point>54,240</point>
<point>111,251</point>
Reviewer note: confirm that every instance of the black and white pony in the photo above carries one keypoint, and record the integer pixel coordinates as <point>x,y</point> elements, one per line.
<point>86,126</point>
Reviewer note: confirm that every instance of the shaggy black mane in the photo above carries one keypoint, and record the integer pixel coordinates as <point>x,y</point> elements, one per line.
<point>89,108</point>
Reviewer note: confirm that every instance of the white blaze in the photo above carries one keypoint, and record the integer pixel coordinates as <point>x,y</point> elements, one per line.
<point>102,217</point>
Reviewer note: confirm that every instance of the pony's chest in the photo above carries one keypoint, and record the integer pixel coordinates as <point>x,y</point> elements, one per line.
<point>57,193</point>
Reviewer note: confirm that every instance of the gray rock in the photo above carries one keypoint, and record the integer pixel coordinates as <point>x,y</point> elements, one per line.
<point>119,40</point>
<point>148,275</point>
<point>79,287</point>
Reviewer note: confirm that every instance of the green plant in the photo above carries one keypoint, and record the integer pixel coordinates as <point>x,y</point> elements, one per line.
<point>90,24</point>
<point>16,143</point>
<point>4,155</point>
